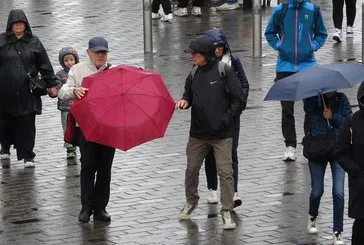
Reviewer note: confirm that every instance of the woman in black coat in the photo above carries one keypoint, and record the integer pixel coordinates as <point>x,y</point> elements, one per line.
<point>350,155</point>
<point>21,53</point>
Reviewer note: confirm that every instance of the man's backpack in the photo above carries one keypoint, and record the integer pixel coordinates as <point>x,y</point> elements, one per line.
<point>283,13</point>
<point>221,68</point>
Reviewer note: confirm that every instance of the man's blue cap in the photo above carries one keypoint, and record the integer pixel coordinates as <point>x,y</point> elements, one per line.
<point>97,44</point>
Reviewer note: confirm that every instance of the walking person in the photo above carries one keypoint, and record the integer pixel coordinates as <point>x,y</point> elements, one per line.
<point>224,54</point>
<point>22,57</point>
<point>337,16</point>
<point>215,102</point>
<point>183,11</point>
<point>96,159</point>
<point>320,112</point>
<point>296,30</point>
<point>167,9</point>
<point>349,154</point>
<point>67,58</point>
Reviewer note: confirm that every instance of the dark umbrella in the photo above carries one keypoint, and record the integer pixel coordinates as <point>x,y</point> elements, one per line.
<point>124,107</point>
<point>316,80</point>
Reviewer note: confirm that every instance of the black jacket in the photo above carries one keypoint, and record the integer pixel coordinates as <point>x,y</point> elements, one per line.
<point>15,96</point>
<point>349,153</point>
<point>216,101</point>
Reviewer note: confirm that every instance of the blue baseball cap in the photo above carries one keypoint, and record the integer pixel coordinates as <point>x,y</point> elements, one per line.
<point>97,44</point>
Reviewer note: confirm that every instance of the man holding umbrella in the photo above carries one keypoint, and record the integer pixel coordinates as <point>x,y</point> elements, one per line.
<point>296,30</point>
<point>95,158</point>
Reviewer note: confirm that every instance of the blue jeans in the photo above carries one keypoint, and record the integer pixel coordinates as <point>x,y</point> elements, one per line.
<point>317,171</point>
<point>231,1</point>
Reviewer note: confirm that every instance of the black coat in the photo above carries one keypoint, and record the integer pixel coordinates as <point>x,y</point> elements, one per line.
<point>350,155</point>
<point>15,96</point>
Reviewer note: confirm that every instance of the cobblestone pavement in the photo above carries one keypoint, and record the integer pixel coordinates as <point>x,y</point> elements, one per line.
<point>40,206</point>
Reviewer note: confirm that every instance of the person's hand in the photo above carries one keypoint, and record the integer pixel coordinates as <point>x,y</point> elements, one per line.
<point>53,92</point>
<point>80,92</point>
<point>327,114</point>
<point>182,104</point>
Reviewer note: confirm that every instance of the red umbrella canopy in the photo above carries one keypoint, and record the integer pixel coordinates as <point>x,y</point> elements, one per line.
<point>124,107</point>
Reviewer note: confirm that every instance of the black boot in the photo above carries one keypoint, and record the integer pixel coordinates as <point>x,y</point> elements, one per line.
<point>85,214</point>
<point>101,215</point>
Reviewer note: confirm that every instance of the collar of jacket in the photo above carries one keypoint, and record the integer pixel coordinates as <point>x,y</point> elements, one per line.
<point>13,39</point>
<point>93,67</point>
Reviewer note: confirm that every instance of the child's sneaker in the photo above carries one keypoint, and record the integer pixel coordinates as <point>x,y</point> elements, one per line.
<point>181,12</point>
<point>156,16</point>
<point>337,238</point>
<point>167,18</point>
<point>312,226</point>
<point>229,223</point>
<point>349,31</point>
<point>337,36</point>
<point>196,11</point>
<point>187,210</point>
<point>71,155</point>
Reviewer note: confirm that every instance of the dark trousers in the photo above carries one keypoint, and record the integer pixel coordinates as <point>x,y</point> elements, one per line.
<point>195,3</point>
<point>166,4</point>
<point>288,121</point>
<point>337,12</point>
<point>20,132</point>
<point>210,163</point>
<point>357,237</point>
<point>95,159</point>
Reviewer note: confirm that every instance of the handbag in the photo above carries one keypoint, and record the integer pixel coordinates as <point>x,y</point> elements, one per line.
<point>319,148</point>
<point>70,134</point>
<point>37,85</point>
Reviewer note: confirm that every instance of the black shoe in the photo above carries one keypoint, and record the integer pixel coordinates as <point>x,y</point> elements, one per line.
<point>101,215</point>
<point>84,215</point>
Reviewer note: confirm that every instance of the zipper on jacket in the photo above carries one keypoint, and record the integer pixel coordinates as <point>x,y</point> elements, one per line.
<point>296,41</point>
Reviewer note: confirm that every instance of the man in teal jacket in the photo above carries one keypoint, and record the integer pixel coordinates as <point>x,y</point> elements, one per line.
<point>296,30</point>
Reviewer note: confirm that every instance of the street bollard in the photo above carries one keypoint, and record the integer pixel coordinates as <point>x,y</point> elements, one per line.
<point>257,29</point>
<point>362,33</point>
<point>147,26</point>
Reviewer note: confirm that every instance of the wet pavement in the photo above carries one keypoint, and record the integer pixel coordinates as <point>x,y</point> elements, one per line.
<point>40,206</point>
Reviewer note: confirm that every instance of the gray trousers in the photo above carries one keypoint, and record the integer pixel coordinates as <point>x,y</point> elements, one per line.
<point>64,115</point>
<point>196,151</point>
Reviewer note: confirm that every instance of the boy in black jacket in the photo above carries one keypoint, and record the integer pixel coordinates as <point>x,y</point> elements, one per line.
<point>215,101</point>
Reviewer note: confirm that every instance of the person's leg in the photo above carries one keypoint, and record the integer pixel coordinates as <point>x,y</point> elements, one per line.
<point>210,170</point>
<point>337,13</point>
<point>7,132</point>
<point>101,192</point>
<point>350,11</point>
<point>236,132</point>
<point>222,152</point>
<point>196,151</point>
<point>167,7</point>
<point>338,180</point>
<point>197,3</point>
<point>231,1</point>
<point>183,3</point>
<point>71,149</point>
<point>357,237</point>
<point>317,172</point>
<point>24,139</point>
<point>155,6</point>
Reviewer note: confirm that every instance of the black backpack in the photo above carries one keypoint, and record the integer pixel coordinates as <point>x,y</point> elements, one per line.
<point>221,68</point>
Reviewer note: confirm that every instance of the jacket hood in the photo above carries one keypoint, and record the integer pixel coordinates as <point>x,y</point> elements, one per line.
<point>295,3</point>
<point>203,45</point>
<point>361,96</point>
<point>65,51</point>
<point>17,15</point>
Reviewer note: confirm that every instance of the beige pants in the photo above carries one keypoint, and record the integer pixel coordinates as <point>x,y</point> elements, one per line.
<point>196,151</point>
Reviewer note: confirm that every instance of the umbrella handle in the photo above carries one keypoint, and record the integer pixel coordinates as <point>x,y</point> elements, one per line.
<point>323,102</point>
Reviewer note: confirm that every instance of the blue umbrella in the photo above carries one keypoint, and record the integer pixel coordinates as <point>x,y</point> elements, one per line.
<point>316,80</point>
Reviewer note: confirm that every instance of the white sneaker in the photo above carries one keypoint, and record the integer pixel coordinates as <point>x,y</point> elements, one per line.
<point>196,11</point>
<point>212,197</point>
<point>312,226</point>
<point>229,223</point>
<point>167,18</point>
<point>227,6</point>
<point>349,31</point>
<point>187,210</point>
<point>181,12</point>
<point>29,163</point>
<point>337,238</point>
<point>237,200</point>
<point>156,16</point>
<point>338,35</point>
<point>289,154</point>
<point>4,156</point>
